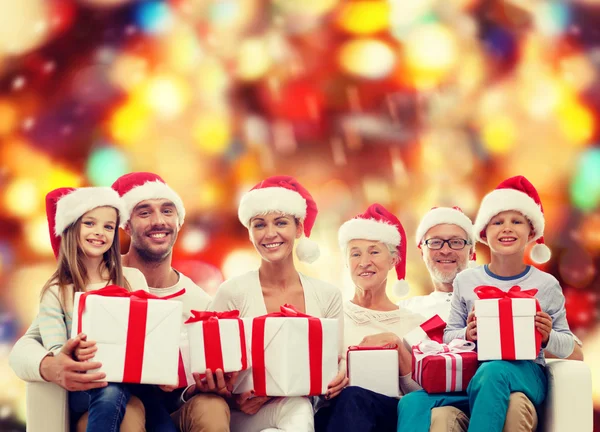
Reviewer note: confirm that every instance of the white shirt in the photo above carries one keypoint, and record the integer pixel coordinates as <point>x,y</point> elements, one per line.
<point>436,303</point>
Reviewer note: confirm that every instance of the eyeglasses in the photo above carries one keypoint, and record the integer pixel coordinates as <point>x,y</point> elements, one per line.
<point>454,244</point>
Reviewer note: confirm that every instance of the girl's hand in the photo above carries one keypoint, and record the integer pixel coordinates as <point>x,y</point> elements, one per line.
<point>248,403</point>
<point>471,332</point>
<point>86,349</point>
<point>167,388</point>
<point>381,339</point>
<point>336,386</point>
<point>543,323</point>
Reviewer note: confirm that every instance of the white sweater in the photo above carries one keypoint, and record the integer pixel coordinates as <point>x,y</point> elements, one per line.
<point>244,293</point>
<point>436,303</point>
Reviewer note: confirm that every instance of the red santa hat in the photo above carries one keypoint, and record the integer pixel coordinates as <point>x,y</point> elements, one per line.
<point>378,224</point>
<point>518,194</point>
<point>65,205</point>
<point>283,194</point>
<point>136,187</point>
<point>446,215</point>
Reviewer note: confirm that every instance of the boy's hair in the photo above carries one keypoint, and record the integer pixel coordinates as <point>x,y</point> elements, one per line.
<point>71,269</point>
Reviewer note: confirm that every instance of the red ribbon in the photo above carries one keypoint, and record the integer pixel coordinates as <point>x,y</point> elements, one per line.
<point>136,329</point>
<point>315,349</point>
<point>507,328</point>
<point>434,328</point>
<point>212,336</point>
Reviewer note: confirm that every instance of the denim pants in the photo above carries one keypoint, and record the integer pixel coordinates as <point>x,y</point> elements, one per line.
<point>487,396</point>
<point>360,410</point>
<point>106,407</point>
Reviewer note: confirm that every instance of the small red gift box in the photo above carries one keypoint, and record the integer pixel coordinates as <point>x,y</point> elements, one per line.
<point>441,368</point>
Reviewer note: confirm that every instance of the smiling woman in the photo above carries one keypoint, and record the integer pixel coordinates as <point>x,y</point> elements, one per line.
<point>277,212</point>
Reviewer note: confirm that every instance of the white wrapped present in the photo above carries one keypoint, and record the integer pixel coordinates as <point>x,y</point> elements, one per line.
<point>137,334</point>
<point>374,368</point>
<point>291,354</point>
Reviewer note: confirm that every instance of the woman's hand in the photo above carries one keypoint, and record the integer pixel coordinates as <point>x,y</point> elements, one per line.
<point>471,331</point>
<point>381,339</point>
<point>220,383</point>
<point>86,349</point>
<point>248,403</point>
<point>543,324</point>
<point>336,386</point>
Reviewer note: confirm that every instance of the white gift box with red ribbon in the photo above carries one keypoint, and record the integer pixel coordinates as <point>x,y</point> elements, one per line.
<point>137,334</point>
<point>374,368</point>
<point>290,354</point>
<point>440,368</point>
<point>216,341</point>
<point>506,324</point>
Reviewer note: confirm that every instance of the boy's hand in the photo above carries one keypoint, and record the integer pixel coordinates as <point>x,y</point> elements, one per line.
<point>471,332</point>
<point>543,323</point>
<point>86,349</point>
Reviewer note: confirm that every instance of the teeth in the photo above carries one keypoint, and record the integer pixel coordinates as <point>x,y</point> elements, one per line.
<point>96,242</point>
<point>366,274</point>
<point>507,239</point>
<point>158,235</point>
<point>273,245</point>
<point>446,261</point>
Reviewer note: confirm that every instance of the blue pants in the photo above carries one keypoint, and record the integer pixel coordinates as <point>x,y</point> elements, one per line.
<point>106,407</point>
<point>486,397</point>
<point>360,410</point>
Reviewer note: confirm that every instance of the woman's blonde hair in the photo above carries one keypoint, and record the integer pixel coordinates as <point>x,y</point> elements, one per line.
<point>71,269</point>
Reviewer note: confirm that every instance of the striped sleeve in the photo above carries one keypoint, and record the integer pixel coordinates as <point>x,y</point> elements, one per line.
<point>52,321</point>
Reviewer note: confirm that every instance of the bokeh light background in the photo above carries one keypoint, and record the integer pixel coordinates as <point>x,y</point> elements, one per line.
<point>407,103</point>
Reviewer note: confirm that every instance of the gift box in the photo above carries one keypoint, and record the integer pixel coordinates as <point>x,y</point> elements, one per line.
<point>441,368</point>
<point>506,324</point>
<point>216,341</point>
<point>290,354</point>
<point>374,368</point>
<point>137,334</point>
<point>184,370</point>
<point>432,329</point>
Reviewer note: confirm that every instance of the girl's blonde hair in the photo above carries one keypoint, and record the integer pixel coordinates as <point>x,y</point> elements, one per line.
<point>71,270</point>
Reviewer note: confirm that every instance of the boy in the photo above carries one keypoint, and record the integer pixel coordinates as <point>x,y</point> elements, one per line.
<point>509,218</point>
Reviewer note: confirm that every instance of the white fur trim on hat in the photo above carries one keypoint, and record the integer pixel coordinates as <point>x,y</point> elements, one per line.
<point>444,215</point>
<point>368,229</point>
<point>401,288</point>
<point>271,199</point>
<point>500,200</point>
<point>307,250</point>
<point>75,204</point>
<point>540,253</point>
<point>152,190</point>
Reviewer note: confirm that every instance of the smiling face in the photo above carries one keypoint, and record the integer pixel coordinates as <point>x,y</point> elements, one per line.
<point>97,231</point>
<point>444,264</point>
<point>369,262</point>
<point>273,235</point>
<point>153,228</point>
<point>508,233</point>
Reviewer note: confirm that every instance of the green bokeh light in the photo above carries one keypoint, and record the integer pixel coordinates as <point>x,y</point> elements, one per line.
<point>105,165</point>
<point>585,187</point>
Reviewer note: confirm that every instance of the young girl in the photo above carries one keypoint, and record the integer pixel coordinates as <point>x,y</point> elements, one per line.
<point>84,227</point>
<point>277,212</point>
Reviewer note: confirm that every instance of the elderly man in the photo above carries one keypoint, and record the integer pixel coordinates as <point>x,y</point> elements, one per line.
<point>445,237</point>
<point>156,213</point>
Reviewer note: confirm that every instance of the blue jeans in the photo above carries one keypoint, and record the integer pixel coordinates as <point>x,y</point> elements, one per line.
<point>487,396</point>
<point>360,410</point>
<point>106,407</point>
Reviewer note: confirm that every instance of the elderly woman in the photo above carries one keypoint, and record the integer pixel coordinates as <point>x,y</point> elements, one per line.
<point>276,212</point>
<point>373,243</point>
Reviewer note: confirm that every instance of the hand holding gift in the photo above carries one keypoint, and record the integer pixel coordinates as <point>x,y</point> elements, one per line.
<point>543,324</point>
<point>86,349</point>
<point>471,332</point>
<point>248,403</point>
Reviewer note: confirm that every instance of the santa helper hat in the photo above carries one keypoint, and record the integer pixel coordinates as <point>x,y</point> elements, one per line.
<point>65,205</point>
<point>378,224</point>
<point>447,215</point>
<point>283,194</point>
<point>136,187</point>
<point>518,194</point>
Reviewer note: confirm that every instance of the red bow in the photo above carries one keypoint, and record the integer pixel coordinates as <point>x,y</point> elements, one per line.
<point>205,316</point>
<point>492,292</point>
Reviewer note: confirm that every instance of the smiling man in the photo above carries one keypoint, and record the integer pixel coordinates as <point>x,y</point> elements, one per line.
<point>446,241</point>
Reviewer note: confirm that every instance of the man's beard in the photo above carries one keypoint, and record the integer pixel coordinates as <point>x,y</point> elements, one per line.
<point>148,255</point>
<point>444,277</point>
